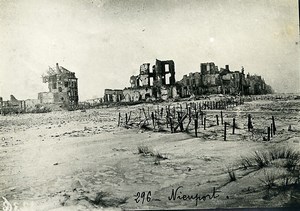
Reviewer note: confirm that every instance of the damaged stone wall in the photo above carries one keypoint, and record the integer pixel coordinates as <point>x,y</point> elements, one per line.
<point>165,72</point>
<point>113,95</point>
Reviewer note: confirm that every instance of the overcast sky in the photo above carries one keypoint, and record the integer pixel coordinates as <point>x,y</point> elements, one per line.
<point>105,42</point>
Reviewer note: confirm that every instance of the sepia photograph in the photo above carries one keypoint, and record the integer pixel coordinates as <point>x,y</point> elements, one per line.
<point>149,105</point>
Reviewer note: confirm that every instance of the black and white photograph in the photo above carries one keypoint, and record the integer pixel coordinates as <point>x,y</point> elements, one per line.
<point>149,105</point>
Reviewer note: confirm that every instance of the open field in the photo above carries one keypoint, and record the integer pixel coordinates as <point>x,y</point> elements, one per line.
<point>84,161</point>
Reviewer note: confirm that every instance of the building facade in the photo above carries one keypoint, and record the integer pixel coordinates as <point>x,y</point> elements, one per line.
<point>153,83</point>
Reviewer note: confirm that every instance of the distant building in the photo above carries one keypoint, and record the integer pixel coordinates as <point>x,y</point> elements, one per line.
<point>62,85</point>
<point>13,105</point>
<point>211,80</point>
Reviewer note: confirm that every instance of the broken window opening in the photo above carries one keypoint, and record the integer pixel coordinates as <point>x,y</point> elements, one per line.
<point>151,81</point>
<point>167,68</point>
<point>167,78</point>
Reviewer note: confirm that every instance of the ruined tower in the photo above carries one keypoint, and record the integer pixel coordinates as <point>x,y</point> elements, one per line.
<point>62,85</point>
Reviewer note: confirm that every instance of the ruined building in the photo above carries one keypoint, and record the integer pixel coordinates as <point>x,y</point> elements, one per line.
<point>157,82</point>
<point>13,105</point>
<point>211,80</point>
<point>62,85</point>
<point>113,95</point>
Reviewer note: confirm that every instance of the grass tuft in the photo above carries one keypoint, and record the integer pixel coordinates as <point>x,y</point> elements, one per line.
<point>160,156</point>
<point>261,159</point>
<point>269,179</point>
<point>231,174</point>
<point>145,150</point>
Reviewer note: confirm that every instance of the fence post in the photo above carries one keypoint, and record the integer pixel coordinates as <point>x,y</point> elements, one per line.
<point>119,119</point>
<point>225,125</point>
<point>152,116</point>
<point>233,126</point>
<point>274,127</point>
<point>204,123</point>
<point>269,133</point>
<point>222,118</point>
<point>271,129</point>
<point>250,126</point>
<point>217,117</point>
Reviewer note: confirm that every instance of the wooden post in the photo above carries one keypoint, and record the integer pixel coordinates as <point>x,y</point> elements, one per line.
<point>225,125</point>
<point>152,116</point>
<point>269,133</point>
<point>271,129</point>
<point>126,117</point>
<point>217,117</point>
<point>250,126</point>
<point>274,127</point>
<point>233,126</point>
<point>119,119</point>
<point>161,112</point>
<point>197,117</point>
<point>167,118</point>
<point>204,123</point>
<point>196,124</point>
<point>222,118</point>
